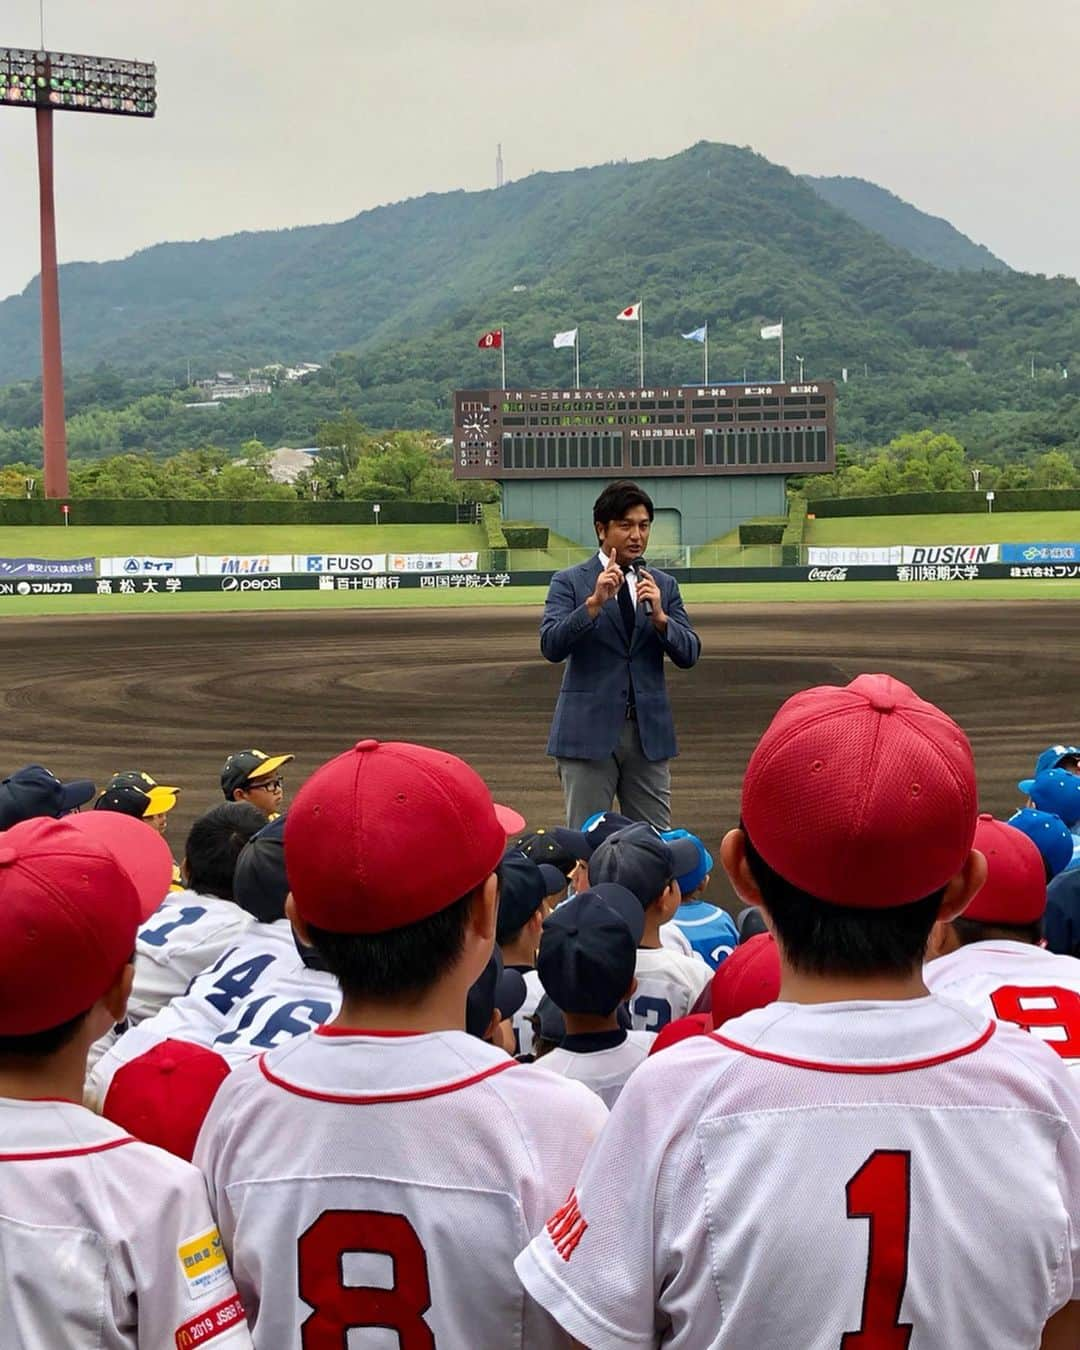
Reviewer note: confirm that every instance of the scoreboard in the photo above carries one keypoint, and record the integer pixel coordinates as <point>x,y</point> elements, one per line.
<point>675,432</point>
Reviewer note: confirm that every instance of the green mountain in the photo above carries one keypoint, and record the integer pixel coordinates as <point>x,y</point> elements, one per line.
<point>402,293</point>
<point>927,237</point>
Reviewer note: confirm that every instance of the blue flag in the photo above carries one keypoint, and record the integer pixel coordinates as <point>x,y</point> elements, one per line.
<point>698,335</point>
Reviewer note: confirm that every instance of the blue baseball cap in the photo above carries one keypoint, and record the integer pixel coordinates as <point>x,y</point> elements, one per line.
<point>1049,834</point>
<point>1056,791</point>
<point>690,881</point>
<point>521,893</point>
<point>588,950</point>
<point>582,843</point>
<point>34,791</point>
<point>1052,757</point>
<point>497,988</point>
<point>639,859</point>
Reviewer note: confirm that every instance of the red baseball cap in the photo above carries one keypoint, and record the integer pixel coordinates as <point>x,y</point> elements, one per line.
<point>68,916</point>
<point>749,978</point>
<point>389,833</point>
<point>162,1097</point>
<point>862,796</point>
<point>140,850</point>
<point>1015,887</point>
<point>693,1024</point>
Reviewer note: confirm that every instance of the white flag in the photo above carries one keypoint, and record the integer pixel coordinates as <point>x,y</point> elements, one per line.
<point>630,313</point>
<point>773,330</point>
<point>567,339</point>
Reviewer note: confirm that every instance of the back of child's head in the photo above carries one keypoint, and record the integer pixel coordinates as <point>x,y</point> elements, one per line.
<point>493,998</point>
<point>260,884</point>
<point>1050,835</point>
<point>588,950</point>
<point>72,895</point>
<point>213,846</point>
<point>1011,903</point>
<point>639,859</point>
<point>858,809</point>
<point>521,895</point>
<point>386,847</point>
<point>693,881</point>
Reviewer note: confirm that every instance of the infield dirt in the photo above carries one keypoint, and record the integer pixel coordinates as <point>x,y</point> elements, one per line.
<point>173,696</point>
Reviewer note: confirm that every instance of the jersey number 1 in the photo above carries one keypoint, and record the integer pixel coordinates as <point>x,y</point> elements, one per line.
<point>881,1192</point>
<point>338,1307</point>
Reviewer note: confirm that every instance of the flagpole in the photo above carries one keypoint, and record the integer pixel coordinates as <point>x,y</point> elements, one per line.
<point>781,349</point>
<point>706,352</point>
<point>577,363</point>
<point>502,353</point>
<point>641,341</point>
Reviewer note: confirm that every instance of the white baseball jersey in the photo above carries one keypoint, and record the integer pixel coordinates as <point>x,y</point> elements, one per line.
<point>105,1243</point>
<point>668,987</point>
<point>674,939</point>
<point>1016,982</point>
<point>184,935</point>
<point>605,1070</point>
<point>358,1177</point>
<point>523,1031</point>
<point>251,965</point>
<point>297,1002</point>
<point>826,1176</point>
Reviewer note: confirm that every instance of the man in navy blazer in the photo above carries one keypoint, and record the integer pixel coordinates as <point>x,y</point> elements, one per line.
<point>613,733</point>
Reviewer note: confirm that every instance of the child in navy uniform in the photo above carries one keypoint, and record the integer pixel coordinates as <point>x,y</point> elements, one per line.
<point>588,953</point>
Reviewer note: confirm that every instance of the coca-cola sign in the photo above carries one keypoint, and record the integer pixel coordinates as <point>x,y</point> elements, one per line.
<point>827,574</point>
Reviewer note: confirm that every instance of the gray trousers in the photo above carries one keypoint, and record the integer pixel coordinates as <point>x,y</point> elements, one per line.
<point>643,786</point>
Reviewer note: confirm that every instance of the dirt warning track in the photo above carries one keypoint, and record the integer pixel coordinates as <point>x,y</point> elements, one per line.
<point>173,696</point>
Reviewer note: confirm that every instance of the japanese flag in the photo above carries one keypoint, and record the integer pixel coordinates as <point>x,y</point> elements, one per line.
<point>630,313</point>
<point>492,339</point>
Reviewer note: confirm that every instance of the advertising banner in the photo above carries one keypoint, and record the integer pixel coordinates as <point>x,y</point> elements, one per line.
<point>340,564</point>
<point>243,565</point>
<point>433,562</point>
<point>1040,553</point>
<point>949,555</point>
<point>46,567</point>
<point>143,566</point>
<point>854,557</point>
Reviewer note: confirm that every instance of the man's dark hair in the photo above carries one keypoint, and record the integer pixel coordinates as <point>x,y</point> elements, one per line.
<point>214,843</point>
<point>971,930</point>
<point>402,961</point>
<point>42,1044</point>
<point>823,939</point>
<point>617,498</point>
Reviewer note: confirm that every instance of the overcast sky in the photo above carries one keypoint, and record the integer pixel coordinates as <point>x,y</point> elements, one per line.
<point>281,113</point>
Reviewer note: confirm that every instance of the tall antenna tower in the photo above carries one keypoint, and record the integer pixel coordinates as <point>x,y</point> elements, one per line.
<point>498,166</point>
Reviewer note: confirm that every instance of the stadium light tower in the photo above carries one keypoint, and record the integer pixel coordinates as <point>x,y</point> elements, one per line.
<point>48,81</point>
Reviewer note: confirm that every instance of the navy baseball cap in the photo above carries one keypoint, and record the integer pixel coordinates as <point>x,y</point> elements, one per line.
<point>1056,791</point>
<point>521,893</point>
<point>690,881</point>
<point>1049,834</point>
<point>588,949</point>
<point>548,1021</point>
<point>1053,757</point>
<point>554,881</point>
<point>34,791</point>
<point>583,843</point>
<point>639,859</point>
<point>543,848</point>
<point>751,923</point>
<point>497,988</point>
<point>260,884</point>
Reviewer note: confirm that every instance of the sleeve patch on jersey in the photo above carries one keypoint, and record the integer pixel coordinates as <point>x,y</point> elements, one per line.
<point>204,1328</point>
<point>566,1227</point>
<point>202,1260</point>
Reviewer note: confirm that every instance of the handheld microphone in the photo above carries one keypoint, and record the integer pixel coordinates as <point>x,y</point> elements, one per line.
<point>636,567</point>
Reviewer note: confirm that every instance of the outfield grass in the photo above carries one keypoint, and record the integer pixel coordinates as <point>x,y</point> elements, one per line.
<point>1005,527</point>
<point>740,592</point>
<point>171,541</point>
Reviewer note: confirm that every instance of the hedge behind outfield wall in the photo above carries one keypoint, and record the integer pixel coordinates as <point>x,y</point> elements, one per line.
<point>143,511</point>
<point>792,541</point>
<point>944,503</point>
<point>762,530</point>
<point>526,536</point>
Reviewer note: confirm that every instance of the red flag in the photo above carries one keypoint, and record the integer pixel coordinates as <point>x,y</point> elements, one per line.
<point>492,339</point>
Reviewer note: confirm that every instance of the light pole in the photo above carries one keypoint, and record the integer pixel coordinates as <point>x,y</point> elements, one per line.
<point>800,361</point>
<point>975,476</point>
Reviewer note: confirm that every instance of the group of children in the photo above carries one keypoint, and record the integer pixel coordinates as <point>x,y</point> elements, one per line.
<point>390,1069</point>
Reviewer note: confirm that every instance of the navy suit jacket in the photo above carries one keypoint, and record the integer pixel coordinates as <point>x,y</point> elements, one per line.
<point>602,667</point>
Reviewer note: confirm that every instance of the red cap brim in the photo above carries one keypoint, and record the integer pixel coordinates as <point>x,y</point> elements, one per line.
<point>509,819</point>
<point>137,847</point>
